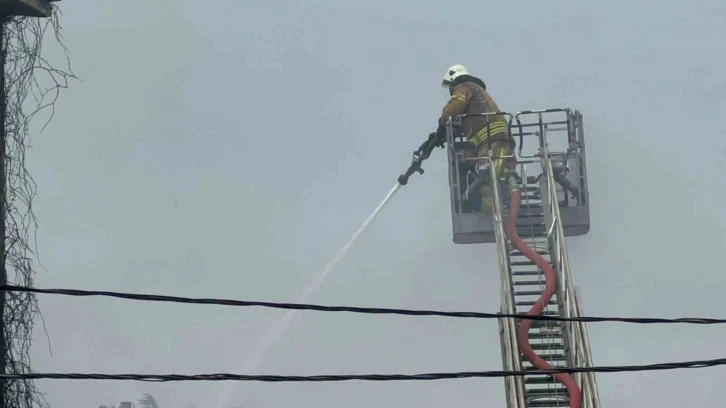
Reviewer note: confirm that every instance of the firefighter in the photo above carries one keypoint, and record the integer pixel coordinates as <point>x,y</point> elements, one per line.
<point>469,96</point>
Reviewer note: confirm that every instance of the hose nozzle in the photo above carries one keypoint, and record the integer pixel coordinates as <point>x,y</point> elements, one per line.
<point>419,156</point>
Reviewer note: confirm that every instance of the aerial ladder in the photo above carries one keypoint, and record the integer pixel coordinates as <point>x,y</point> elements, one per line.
<point>532,213</point>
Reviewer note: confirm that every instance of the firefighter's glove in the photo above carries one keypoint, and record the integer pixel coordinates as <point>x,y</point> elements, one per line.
<point>439,136</point>
<point>434,140</point>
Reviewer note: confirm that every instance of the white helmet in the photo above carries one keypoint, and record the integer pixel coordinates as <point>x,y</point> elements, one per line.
<point>452,73</point>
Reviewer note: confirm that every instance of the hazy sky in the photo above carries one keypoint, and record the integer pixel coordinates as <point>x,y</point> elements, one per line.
<point>231,152</point>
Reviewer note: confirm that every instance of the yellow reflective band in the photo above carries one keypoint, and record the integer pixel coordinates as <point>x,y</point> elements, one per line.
<point>494,129</point>
<point>497,126</point>
<point>460,97</point>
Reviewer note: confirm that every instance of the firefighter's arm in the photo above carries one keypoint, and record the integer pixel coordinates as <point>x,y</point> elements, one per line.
<point>456,105</point>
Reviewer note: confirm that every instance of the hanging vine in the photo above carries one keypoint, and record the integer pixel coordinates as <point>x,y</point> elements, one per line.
<point>32,85</point>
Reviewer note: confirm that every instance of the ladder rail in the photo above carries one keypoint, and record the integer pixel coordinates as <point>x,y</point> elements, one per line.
<point>537,337</point>
<point>536,264</point>
<point>515,384</point>
<point>581,356</point>
<point>591,391</point>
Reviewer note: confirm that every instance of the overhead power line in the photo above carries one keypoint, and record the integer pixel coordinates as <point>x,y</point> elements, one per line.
<point>364,377</point>
<point>351,309</point>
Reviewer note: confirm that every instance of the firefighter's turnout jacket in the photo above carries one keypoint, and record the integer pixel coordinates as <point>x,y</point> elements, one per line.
<point>469,96</point>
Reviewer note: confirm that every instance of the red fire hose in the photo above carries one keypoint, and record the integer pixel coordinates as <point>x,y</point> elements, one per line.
<point>550,287</point>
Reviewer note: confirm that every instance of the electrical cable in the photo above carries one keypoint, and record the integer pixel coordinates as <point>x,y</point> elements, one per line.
<point>352,309</point>
<point>363,377</point>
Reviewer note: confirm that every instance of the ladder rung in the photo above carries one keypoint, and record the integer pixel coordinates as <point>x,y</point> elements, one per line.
<point>534,217</point>
<point>528,293</point>
<point>526,211</point>
<point>529,283</point>
<point>528,232</point>
<point>521,260</point>
<point>532,302</point>
<point>547,346</point>
<point>552,306</point>
<point>525,310</point>
<point>540,380</point>
<point>548,403</point>
<point>534,226</point>
<point>549,311</point>
<point>526,268</point>
<point>526,273</point>
<point>540,233</point>
<point>545,336</point>
<point>526,366</point>
<point>545,323</point>
<point>559,356</point>
<point>517,253</point>
<point>555,391</point>
<point>522,263</point>
<point>545,313</point>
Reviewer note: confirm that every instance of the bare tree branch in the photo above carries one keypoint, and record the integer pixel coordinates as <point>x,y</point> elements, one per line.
<point>22,46</point>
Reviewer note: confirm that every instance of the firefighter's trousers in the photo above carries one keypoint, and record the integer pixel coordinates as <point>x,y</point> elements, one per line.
<point>502,167</point>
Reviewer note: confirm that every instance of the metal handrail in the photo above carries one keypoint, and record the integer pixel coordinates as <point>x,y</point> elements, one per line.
<point>541,128</point>
<point>579,338</point>
<point>512,361</point>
